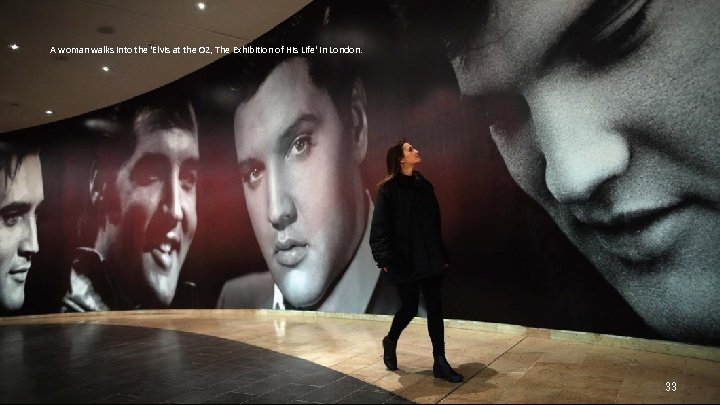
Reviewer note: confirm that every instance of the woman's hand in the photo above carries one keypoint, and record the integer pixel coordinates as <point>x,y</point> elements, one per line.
<point>386,269</point>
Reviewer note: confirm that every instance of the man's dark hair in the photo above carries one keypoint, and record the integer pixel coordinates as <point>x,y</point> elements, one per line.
<point>12,154</point>
<point>114,130</point>
<point>320,24</point>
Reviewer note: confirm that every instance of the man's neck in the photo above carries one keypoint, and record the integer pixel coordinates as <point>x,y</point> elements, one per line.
<point>353,291</point>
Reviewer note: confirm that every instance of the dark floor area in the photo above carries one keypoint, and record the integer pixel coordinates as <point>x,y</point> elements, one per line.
<point>95,363</point>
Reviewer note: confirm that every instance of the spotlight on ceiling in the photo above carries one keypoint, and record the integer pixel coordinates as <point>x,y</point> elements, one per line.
<point>105,68</point>
<point>48,112</point>
<point>14,46</point>
<point>201,6</point>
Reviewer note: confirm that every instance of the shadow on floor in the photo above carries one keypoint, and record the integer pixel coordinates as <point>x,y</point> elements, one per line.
<point>97,363</point>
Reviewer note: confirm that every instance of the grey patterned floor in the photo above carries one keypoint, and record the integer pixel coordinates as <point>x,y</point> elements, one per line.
<point>94,363</point>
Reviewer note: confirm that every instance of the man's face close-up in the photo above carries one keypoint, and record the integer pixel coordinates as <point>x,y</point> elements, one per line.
<point>20,196</point>
<point>301,181</point>
<point>606,113</point>
<point>156,198</point>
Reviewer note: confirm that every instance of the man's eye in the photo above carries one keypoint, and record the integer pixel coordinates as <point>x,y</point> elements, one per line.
<point>617,39</point>
<point>188,180</point>
<point>300,145</point>
<point>145,175</point>
<point>147,179</point>
<point>147,172</point>
<point>252,176</point>
<point>11,220</point>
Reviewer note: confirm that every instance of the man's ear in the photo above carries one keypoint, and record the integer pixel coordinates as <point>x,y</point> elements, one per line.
<point>358,115</point>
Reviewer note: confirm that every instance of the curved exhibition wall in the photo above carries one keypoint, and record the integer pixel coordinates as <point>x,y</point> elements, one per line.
<point>573,153</point>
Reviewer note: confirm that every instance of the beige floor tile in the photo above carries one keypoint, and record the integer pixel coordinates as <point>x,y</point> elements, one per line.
<point>426,390</point>
<point>487,397</point>
<point>398,380</point>
<point>539,395</point>
<point>546,375</point>
<point>638,398</point>
<point>701,395</point>
<point>583,397</point>
<point>487,386</point>
<point>585,382</point>
<point>515,361</point>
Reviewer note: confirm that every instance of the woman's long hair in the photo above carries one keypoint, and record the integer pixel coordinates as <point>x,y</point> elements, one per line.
<point>394,156</point>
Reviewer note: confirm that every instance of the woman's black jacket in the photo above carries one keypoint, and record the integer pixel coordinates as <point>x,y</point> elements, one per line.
<point>405,234</point>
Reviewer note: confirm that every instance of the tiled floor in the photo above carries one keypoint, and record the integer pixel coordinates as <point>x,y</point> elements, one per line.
<point>287,357</point>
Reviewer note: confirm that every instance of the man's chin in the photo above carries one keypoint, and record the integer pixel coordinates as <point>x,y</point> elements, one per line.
<point>162,285</point>
<point>12,303</point>
<point>163,295</point>
<point>307,285</point>
<point>300,297</point>
<point>166,298</point>
<point>301,300</point>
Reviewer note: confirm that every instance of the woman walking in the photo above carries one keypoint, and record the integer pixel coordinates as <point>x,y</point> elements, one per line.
<point>407,245</point>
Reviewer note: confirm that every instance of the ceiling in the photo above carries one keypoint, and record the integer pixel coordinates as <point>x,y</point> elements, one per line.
<point>34,80</point>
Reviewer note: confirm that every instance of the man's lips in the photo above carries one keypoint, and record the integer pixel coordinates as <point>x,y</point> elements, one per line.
<point>639,235</point>
<point>164,259</point>
<point>290,252</point>
<point>164,251</point>
<point>287,244</point>
<point>625,221</point>
<point>20,274</point>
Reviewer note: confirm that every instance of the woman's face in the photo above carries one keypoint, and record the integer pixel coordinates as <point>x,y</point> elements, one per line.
<point>411,156</point>
<point>607,114</point>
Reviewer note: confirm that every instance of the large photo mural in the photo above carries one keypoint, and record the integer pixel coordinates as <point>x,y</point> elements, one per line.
<point>573,149</point>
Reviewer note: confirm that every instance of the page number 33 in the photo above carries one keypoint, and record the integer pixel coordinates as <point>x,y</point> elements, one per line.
<point>670,386</point>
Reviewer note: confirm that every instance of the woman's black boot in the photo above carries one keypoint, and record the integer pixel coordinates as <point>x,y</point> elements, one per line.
<point>389,356</point>
<point>441,369</point>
